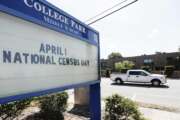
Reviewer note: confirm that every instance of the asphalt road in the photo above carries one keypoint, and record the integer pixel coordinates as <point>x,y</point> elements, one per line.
<point>168,95</point>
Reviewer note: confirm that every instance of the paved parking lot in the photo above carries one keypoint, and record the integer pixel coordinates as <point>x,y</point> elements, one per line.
<point>168,96</point>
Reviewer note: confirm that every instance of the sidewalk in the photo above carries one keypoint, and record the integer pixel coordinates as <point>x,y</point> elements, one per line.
<point>153,114</point>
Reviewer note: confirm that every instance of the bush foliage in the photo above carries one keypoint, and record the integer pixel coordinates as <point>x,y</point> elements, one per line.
<point>120,108</point>
<point>13,109</point>
<point>53,106</point>
<point>125,65</point>
<point>147,68</point>
<point>169,70</point>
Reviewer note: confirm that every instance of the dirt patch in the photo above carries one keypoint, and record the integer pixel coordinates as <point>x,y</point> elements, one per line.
<point>32,113</point>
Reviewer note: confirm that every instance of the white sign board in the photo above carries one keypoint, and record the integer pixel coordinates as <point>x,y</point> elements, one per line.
<point>34,58</point>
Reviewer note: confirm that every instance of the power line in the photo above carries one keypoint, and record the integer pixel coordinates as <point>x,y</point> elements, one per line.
<point>106,10</point>
<point>112,12</point>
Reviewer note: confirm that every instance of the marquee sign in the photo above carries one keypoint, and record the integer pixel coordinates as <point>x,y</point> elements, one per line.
<point>43,50</point>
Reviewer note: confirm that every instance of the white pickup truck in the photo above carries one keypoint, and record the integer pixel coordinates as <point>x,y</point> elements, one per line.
<point>139,76</point>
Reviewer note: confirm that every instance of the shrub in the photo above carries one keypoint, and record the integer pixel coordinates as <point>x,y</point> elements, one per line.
<point>103,73</point>
<point>169,70</point>
<point>124,70</point>
<point>13,109</point>
<point>147,68</point>
<point>120,108</point>
<point>53,106</point>
<point>125,65</point>
<point>108,72</point>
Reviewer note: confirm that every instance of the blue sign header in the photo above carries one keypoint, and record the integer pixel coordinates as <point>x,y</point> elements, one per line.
<point>45,14</point>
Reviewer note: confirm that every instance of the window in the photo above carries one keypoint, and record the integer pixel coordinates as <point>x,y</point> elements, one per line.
<point>144,74</point>
<point>138,73</point>
<point>134,73</point>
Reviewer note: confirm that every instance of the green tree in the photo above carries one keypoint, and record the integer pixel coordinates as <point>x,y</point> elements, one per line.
<point>114,55</point>
<point>125,65</point>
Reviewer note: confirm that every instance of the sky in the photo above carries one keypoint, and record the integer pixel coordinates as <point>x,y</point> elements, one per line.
<point>146,27</point>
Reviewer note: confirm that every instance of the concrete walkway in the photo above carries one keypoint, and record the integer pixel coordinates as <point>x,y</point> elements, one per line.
<point>153,114</point>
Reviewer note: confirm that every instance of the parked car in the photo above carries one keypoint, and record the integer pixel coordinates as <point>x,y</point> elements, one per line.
<point>139,76</point>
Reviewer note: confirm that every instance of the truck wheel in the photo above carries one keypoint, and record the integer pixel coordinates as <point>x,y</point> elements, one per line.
<point>119,81</point>
<point>156,83</point>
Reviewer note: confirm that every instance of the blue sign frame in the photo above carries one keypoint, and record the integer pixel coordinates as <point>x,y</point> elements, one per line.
<point>45,14</point>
